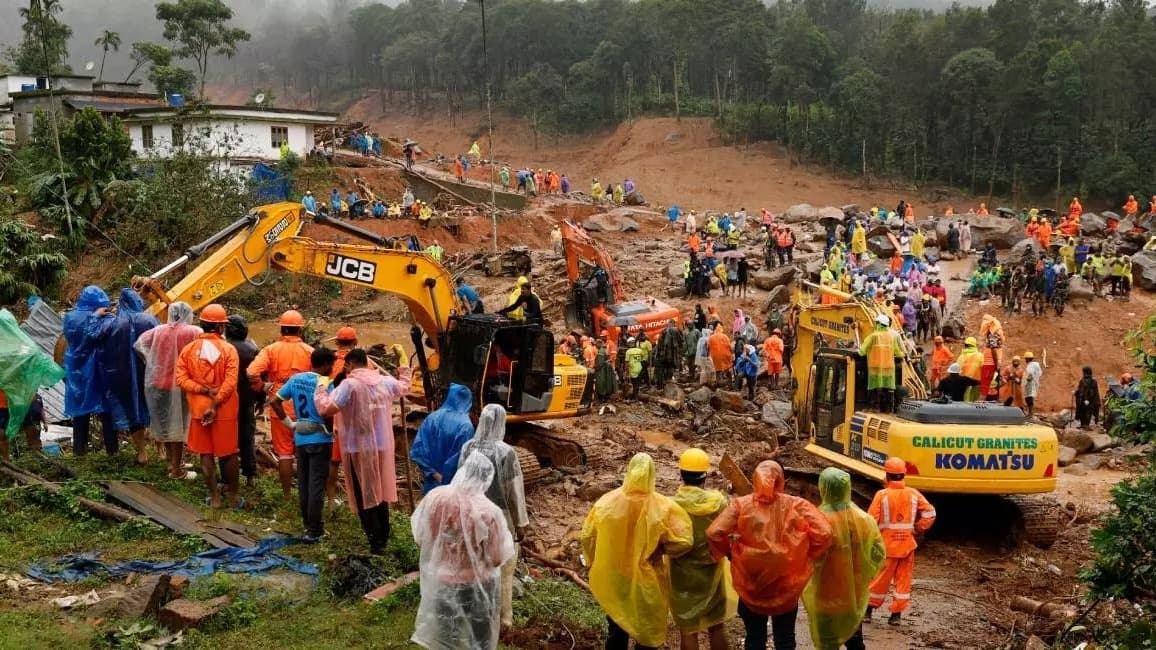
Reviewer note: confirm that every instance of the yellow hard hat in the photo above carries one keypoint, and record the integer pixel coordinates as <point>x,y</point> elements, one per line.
<point>1029,355</point>
<point>694,460</point>
<point>970,341</point>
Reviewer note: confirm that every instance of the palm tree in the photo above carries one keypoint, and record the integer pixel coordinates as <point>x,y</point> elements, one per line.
<point>108,41</point>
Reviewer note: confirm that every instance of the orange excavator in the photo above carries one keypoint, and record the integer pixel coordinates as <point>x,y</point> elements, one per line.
<point>597,300</point>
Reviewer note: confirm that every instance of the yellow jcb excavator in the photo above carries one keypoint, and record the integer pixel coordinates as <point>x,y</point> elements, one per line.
<point>500,360</point>
<point>950,448</point>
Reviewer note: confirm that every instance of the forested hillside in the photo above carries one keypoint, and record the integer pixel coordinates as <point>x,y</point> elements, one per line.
<point>1014,98</point>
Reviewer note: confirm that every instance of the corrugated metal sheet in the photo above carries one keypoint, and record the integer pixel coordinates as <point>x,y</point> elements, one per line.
<point>44,326</point>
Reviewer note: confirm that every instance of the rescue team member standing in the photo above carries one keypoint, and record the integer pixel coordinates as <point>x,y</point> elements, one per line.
<point>624,538</point>
<point>274,365</point>
<point>881,348</point>
<point>771,539</point>
<point>207,370</point>
<point>902,513</point>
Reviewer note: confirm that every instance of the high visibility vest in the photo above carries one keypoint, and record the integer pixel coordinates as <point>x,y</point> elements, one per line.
<point>898,523</point>
<point>971,363</point>
<point>784,239</point>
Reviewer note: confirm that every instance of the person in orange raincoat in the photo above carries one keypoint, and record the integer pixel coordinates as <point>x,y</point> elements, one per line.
<point>1033,227</point>
<point>207,370</point>
<point>773,348</point>
<point>772,540</point>
<point>722,355</point>
<point>272,367</point>
<point>908,213</point>
<point>1070,227</point>
<point>1011,390</point>
<point>694,243</point>
<point>941,360</point>
<point>1074,208</point>
<point>982,211</point>
<point>1044,235</point>
<point>589,351</point>
<point>1131,207</point>
<point>902,513</point>
<point>836,596</point>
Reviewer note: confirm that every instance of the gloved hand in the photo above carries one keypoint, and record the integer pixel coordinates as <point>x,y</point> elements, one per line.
<point>402,357</point>
<point>289,423</point>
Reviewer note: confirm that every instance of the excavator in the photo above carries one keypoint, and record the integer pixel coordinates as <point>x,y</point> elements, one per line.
<point>951,448</point>
<point>500,360</point>
<point>597,298</point>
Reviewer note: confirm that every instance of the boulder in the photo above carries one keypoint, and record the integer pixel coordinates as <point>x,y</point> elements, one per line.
<point>610,223</point>
<point>674,271</point>
<point>1067,456</point>
<point>676,292</point>
<point>673,391</point>
<point>835,213</point>
<point>1144,270</point>
<point>1092,461</point>
<point>1076,469</point>
<point>634,198</point>
<point>1024,245</point>
<point>1004,233</point>
<point>1076,439</point>
<point>767,280</point>
<point>777,413</point>
<point>850,210</point>
<point>1093,225</point>
<point>700,396</point>
<point>879,242</point>
<point>780,295</point>
<point>799,213</point>
<point>592,491</point>
<point>1102,441</point>
<point>955,325</point>
<point>1079,289</point>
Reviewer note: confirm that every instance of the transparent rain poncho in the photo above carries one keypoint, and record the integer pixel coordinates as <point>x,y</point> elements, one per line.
<point>160,347</point>
<point>464,541</point>
<point>507,490</point>
<point>24,368</point>
<point>837,593</point>
<point>624,538</point>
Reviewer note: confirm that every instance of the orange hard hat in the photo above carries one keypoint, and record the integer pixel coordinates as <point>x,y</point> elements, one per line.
<point>895,465</point>
<point>291,318</point>
<point>345,334</point>
<point>214,313</point>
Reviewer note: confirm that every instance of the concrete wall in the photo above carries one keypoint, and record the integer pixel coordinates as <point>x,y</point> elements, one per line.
<point>230,137</point>
<point>426,189</point>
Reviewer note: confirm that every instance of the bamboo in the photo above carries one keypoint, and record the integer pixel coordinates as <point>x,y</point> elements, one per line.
<point>405,451</point>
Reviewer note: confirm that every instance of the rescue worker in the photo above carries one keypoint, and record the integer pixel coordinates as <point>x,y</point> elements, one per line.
<point>208,371</point>
<point>1033,372</point>
<point>437,447</point>
<point>122,368</point>
<point>1011,390</point>
<point>701,595</point>
<point>971,365</point>
<point>647,358</point>
<point>250,401</point>
<point>83,382</point>
<point>902,513</point>
<point>941,358</point>
<point>955,385</point>
<point>168,408</point>
<point>605,379</point>
<point>596,191</point>
<point>1044,234</point>
<point>1087,398</point>
<point>747,370</point>
<point>516,312</point>
<point>838,590</point>
<point>668,354</point>
<point>463,542</point>
<point>624,538</point>
<point>772,540</point>
<point>1131,207</point>
<point>881,348</point>
<point>507,490</point>
<point>634,366</point>
<point>1074,207</point>
<point>982,211</point>
<point>859,243</point>
<point>690,336</point>
<point>435,251</point>
<point>773,349</point>
<point>722,356</point>
<point>271,368</point>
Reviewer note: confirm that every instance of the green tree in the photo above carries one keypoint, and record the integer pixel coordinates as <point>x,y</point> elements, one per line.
<point>170,79</point>
<point>33,263</point>
<point>145,53</point>
<point>108,40</point>
<point>535,96</point>
<point>44,48</point>
<point>801,60</point>
<point>201,29</point>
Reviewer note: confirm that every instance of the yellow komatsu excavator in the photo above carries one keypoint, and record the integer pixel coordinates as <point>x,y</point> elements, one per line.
<point>951,448</point>
<point>500,360</point>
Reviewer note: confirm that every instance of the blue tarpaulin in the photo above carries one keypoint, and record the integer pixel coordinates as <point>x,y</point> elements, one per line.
<point>258,559</point>
<point>270,185</point>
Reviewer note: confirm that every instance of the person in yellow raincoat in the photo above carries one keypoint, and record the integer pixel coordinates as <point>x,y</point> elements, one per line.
<point>701,595</point>
<point>859,241</point>
<point>971,365</point>
<point>516,314</point>
<point>881,348</point>
<point>596,191</point>
<point>624,538</point>
<point>619,195</point>
<point>836,596</point>
<point>918,241</point>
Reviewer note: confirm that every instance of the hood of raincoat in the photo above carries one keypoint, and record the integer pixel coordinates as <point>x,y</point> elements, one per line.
<point>458,399</point>
<point>92,298</point>
<point>475,475</point>
<point>835,489</point>
<point>237,329</point>
<point>639,477</point>
<point>990,325</point>
<point>181,312</point>
<point>521,281</point>
<point>130,302</point>
<point>491,425</point>
<point>768,481</point>
<point>25,369</point>
<point>698,502</point>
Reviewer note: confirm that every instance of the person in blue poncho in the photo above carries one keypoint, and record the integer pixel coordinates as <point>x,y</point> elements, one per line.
<point>122,369</point>
<point>440,439</point>
<point>83,384</point>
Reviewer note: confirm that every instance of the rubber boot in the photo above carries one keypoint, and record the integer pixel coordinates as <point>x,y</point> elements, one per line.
<point>895,619</point>
<point>867,616</point>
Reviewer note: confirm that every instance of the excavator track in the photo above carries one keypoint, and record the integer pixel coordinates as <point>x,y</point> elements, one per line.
<point>1039,518</point>
<point>551,448</point>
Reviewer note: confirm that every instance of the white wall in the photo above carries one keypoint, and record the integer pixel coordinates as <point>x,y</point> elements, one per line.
<point>231,137</point>
<point>12,85</point>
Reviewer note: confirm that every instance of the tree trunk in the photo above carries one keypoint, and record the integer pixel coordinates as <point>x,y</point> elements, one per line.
<point>677,111</point>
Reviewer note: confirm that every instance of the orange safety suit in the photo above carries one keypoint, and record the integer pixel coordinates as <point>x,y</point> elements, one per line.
<point>784,238</point>
<point>1031,229</point>
<point>209,363</point>
<point>1013,385</point>
<point>1131,207</point>
<point>772,540</point>
<point>275,364</point>
<point>909,213</point>
<point>1044,235</point>
<point>982,210</point>
<point>941,358</point>
<point>901,513</point>
<point>721,350</point>
<point>693,243</point>
<point>773,352</point>
<point>589,354</point>
<point>1070,227</point>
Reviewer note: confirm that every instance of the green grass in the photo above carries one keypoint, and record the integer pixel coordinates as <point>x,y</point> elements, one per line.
<point>37,526</point>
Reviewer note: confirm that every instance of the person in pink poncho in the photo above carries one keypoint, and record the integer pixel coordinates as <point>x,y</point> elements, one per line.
<point>364,398</point>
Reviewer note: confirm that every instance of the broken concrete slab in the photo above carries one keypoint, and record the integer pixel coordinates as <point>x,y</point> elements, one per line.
<point>184,614</point>
<point>146,597</point>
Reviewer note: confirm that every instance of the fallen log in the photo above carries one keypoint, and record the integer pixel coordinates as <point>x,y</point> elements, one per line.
<point>1047,608</point>
<point>671,404</point>
<point>96,507</point>
<point>557,566</point>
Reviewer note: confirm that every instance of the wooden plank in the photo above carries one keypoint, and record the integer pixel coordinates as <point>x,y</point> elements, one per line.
<point>390,587</point>
<point>178,516</point>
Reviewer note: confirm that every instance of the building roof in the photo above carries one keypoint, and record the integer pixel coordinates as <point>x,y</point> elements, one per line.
<point>103,105</point>
<point>222,110</point>
<point>150,98</point>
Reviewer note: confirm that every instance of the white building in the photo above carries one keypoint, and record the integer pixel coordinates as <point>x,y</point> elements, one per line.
<point>239,134</point>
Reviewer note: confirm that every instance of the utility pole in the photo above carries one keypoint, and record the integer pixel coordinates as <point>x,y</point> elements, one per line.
<point>39,10</point>
<point>489,131</point>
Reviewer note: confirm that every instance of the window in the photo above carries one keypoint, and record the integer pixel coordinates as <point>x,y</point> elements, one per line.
<point>280,135</point>
<point>178,136</point>
<point>146,136</point>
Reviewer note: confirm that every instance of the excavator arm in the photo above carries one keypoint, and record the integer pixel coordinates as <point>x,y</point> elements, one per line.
<point>579,246</point>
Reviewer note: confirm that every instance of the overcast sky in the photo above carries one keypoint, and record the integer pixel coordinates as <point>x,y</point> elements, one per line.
<point>135,20</point>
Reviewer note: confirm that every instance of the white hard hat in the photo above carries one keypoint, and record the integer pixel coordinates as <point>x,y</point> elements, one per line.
<point>883,320</point>
<point>955,369</point>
